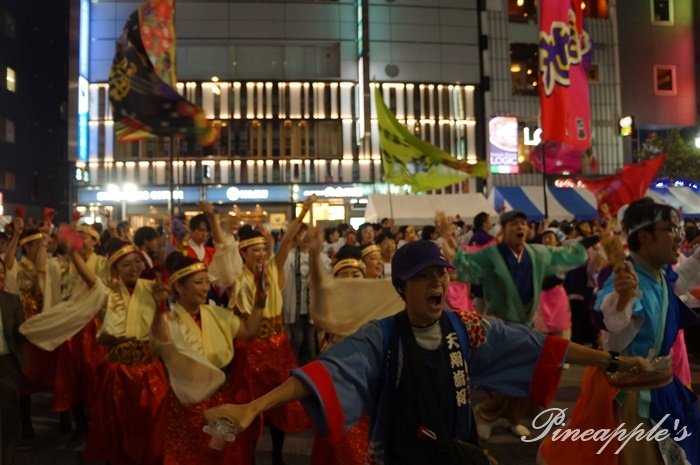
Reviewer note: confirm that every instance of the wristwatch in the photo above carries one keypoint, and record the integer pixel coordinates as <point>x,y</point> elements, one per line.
<point>614,362</point>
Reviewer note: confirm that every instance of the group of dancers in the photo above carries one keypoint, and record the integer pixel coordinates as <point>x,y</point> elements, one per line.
<point>143,346</point>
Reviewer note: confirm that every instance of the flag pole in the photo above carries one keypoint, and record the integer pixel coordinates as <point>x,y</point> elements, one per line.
<point>544,180</point>
<point>391,204</point>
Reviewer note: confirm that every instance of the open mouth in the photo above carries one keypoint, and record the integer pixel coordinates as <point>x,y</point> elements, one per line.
<point>520,235</point>
<point>435,299</point>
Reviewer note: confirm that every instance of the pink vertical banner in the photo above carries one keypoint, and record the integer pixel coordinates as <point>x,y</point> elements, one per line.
<point>564,100</point>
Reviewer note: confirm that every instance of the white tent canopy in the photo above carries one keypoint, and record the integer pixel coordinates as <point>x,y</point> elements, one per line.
<point>419,210</point>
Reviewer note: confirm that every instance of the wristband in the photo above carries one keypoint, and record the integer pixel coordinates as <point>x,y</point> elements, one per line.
<point>614,362</point>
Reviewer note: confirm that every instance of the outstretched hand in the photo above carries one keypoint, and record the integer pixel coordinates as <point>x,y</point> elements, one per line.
<point>241,415</point>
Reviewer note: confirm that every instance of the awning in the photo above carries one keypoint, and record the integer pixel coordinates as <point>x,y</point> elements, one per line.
<point>420,209</point>
<point>562,203</point>
<point>681,198</point>
<point>580,203</point>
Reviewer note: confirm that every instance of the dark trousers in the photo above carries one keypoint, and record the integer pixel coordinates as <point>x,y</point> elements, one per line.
<point>302,336</point>
<point>10,382</point>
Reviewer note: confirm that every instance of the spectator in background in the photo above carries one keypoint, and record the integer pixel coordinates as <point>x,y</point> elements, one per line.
<point>123,231</point>
<point>482,226</point>
<point>406,234</point>
<point>365,234</point>
<point>148,242</point>
<point>11,359</point>
<point>691,241</point>
<point>351,237</point>
<point>429,233</point>
<point>196,246</point>
<point>387,244</point>
<point>331,237</point>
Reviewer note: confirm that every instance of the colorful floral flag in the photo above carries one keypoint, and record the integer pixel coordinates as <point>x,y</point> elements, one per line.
<point>141,80</point>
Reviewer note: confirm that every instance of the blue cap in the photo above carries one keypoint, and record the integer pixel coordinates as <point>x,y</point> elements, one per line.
<point>414,257</point>
<point>507,217</point>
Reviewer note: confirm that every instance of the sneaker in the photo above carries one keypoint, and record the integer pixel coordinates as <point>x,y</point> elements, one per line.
<point>519,431</point>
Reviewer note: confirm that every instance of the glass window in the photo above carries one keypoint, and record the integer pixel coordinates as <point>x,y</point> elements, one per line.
<point>664,80</point>
<point>329,142</point>
<point>523,69</point>
<point>522,11</point>
<point>662,12</point>
<point>10,82</point>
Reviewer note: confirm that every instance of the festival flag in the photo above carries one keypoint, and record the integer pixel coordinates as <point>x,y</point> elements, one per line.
<point>630,184</point>
<point>559,158</point>
<point>564,99</point>
<point>142,79</point>
<point>409,160</point>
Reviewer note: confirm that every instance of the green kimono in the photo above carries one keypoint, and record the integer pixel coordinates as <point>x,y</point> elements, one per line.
<point>488,268</point>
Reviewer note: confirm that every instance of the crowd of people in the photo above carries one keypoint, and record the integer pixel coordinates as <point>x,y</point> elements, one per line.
<point>144,336</point>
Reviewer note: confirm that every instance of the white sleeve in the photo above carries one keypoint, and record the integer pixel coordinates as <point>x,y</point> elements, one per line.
<point>192,376</point>
<point>52,327</point>
<point>227,264</point>
<point>621,326</point>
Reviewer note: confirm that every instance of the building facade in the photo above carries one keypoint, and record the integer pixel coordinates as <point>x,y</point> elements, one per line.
<point>291,85</point>
<point>33,96</point>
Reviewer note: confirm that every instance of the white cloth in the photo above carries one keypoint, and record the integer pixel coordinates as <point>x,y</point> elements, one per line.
<point>199,249</point>
<point>349,303</point>
<point>227,264</point>
<point>52,327</point>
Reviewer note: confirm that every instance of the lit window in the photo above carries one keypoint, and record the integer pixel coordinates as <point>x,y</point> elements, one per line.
<point>522,11</point>
<point>662,12</point>
<point>523,69</point>
<point>664,80</point>
<point>10,82</point>
<point>595,8</point>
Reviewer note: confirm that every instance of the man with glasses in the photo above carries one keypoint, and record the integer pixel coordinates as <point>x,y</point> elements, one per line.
<point>642,316</point>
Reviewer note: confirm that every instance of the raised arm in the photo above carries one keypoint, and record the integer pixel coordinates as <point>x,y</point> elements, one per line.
<point>315,239</point>
<point>288,238</point>
<point>85,273</point>
<point>216,233</point>
<point>11,251</point>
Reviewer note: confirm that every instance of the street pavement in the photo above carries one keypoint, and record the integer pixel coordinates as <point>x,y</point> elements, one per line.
<point>49,446</point>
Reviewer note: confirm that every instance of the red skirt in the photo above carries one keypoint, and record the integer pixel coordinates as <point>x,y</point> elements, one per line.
<point>39,369</point>
<point>269,362</point>
<point>187,444</point>
<point>351,450</point>
<point>126,424</point>
<point>75,379</point>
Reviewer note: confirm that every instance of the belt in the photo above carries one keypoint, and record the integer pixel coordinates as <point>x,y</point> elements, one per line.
<point>270,327</point>
<point>131,353</point>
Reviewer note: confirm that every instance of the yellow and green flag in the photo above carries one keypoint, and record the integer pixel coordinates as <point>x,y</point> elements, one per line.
<point>409,160</point>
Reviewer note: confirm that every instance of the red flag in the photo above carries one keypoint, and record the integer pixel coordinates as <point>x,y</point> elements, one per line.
<point>622,188</point>
<point>559,158</point>
<point>564,100</point>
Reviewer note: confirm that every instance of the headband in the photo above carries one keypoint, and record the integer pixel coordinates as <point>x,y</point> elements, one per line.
<point>252,241</point>
<point>31,238</point>
<point>126,250</point>
<point>188,270</point>
<point>658,216</point>
<point>90,232</point>
<point>369,249</point>
<point>348,263</point>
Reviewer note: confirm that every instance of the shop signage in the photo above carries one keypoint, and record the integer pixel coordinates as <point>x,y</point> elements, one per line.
<point>157,196</point>
<point>248,195</point>
<point>334,191</point>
